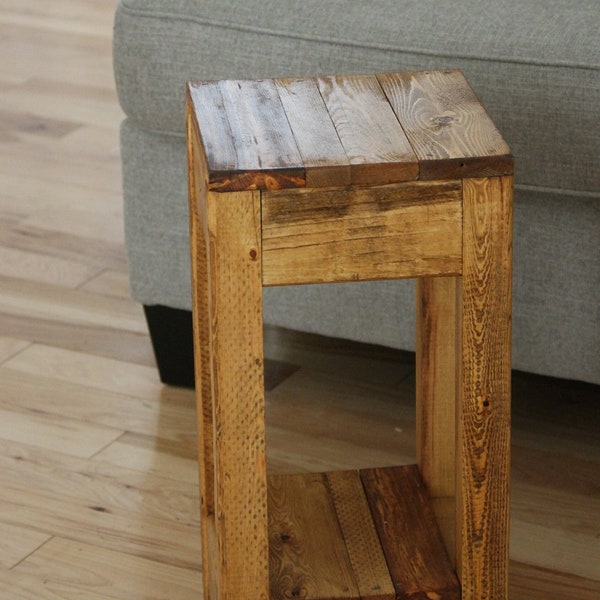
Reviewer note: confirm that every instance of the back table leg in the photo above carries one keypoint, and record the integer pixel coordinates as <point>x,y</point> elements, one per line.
<point>436,397</point>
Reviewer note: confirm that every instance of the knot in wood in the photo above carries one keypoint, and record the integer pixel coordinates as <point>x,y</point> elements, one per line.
<point>442,121</point>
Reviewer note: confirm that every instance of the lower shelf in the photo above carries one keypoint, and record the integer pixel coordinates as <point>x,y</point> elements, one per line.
<point>364,535</point>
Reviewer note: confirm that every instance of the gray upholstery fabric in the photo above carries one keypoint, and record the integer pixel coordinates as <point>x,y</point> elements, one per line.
<point>536,67</point>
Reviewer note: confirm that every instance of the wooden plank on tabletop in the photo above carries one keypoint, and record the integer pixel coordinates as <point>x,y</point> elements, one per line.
<point>307,553</point>
<point>446,124</point>
<point>322,152</point>
<point>376,145</point>
<point>411,541</point>
<point>246,136</point>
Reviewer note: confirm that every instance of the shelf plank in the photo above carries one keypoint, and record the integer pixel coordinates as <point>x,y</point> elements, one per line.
<point>369,535</point>
<point>308,557</point>
<point>364,549</point>
<point>411,541</point>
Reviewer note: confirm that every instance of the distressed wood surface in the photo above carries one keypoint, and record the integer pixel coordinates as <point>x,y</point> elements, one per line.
<point>308,556</point>
<point>435,385</point>
<point>436,389</point>
<point>199,244</point>
<point>405,230</point>
<point>341,130</point>
<point>483,457</point>
<point>236,353</point>
<point>411,541</point>
<point>96,347</point>
<point>374,141</point>
<point>247,139</point>
<point>361,539</point>
<point>323,155</point>
<point>447,126</point>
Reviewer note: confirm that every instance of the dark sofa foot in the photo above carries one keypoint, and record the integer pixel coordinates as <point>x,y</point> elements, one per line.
<point>171,331</point>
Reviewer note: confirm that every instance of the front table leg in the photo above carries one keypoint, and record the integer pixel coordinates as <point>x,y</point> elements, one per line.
<point>237,396</point>
<point>483,389</point>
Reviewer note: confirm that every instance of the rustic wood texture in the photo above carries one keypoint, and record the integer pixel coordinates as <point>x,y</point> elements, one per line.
<point>447,126</point>
<point>361,539</point>
<point>246,136</point>
<point>483,425</point>
<point>236,353</point>
<point>61,202</point>
<point>342,130</point>
<point>199,240</point>
<point>374,141</point>
<point>404,230</point>
<point>308,555</point>
<point>436,392</point>
<point>411,541</point>
<point>323,155</point>
<point>435,383</point>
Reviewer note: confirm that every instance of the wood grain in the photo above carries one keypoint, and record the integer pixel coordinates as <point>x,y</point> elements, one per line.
<point>436,383</point>
<point>17,543</point>
<point>361,539</point>
<point>374,141</point>
<point>308,556</point>
<point>483,426</point>
<point>353,396</point>
<point>236,352</point>
<point>323,155</point>
<point>205,401</point>
<point>246,136</point>
<point>436,395</point>
<point>407,528</point>
<point>358,234</point>
<point>448,128</point>
<point>108,572</point>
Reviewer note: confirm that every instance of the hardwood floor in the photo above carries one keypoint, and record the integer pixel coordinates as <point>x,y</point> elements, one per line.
<point>98,483</point>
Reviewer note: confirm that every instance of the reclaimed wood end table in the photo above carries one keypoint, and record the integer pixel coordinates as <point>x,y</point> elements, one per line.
<point>354,178</point>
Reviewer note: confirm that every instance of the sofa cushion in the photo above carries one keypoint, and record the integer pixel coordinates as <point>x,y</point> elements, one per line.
<point>535,64</point>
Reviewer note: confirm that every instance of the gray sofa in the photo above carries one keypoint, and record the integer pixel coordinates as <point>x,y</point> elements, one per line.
<point>535,66</point>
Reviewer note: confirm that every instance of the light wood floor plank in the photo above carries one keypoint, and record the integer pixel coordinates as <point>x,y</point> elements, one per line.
<point>113,574</point>
<point>109,282</point>
<point>10,346</point>
<point>28,587</point>
<point>56,433</point>
<point>87,370</point>
<point>150,454</point>
<point>16,543</point>
<point>41,301</point>
<point>162,414</point>
<point>46,269</point>
<point>99,504</point>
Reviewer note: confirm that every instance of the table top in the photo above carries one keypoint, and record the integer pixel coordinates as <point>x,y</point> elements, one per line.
<point>344,130</point>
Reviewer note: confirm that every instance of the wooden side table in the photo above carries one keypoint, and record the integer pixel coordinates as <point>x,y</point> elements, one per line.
<point>352,178</point>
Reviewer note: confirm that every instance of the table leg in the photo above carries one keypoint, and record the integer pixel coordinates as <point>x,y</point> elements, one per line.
<point>436,397</point>
<point>483,389</point>
<point>231,395</point>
